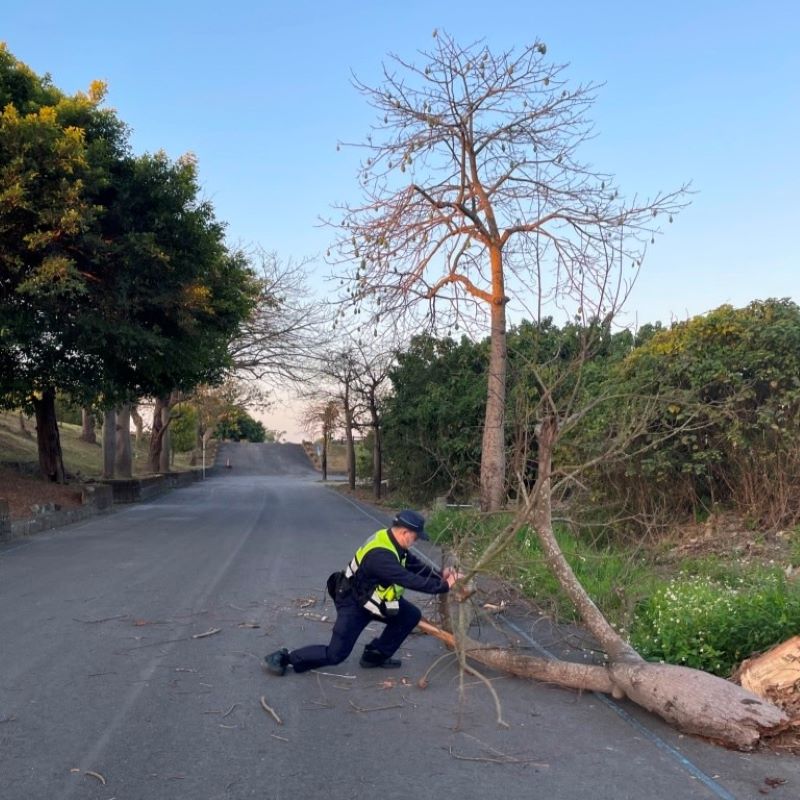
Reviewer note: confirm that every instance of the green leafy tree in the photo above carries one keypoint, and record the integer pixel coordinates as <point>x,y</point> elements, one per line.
<point>116,279</point>
<point>735,375</point>
<point>184,428</point>
<point>432,418</point>
<point>237,425</point>
<point>54,153</point>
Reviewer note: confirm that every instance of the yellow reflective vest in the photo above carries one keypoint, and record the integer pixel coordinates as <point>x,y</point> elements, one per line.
<point>383,600</point>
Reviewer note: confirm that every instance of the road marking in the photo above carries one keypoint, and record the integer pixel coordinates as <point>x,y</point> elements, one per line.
<point>362,510</point>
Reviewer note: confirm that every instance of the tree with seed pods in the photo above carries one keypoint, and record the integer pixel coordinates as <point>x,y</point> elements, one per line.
<point>475,200</point>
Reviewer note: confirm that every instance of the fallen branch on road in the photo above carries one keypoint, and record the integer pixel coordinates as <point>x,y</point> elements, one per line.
<point>270,710</point>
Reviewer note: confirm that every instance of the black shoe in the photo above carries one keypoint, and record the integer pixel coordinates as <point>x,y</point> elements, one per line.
<point>277,662</point>
<point>387,663</point>
<point>372,657</point>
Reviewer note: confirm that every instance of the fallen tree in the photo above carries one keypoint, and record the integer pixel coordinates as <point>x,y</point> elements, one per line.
<point>693,701</point>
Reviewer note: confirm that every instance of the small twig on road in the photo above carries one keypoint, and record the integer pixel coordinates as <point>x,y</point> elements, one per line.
<point>152,644</point>
<point>423,682</point>
<point>96,621</point>
<point>501,759</point>
<point>314,705</point>
<point>361,710</point>
<point>225,714</point>
<point>210,632</point>
<point>282,738</point>
<point>315,617</point>
<point>97,776</point>
<point>270,710</point>
<point>488,684</point>
<point>335,675</point>
<point>245,653</point>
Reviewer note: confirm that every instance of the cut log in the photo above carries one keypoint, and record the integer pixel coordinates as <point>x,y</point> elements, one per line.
<point>776,672</point>
<point>693,701</point>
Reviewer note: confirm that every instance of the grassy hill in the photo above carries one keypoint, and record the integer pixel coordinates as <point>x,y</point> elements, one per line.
<point>81,459</point>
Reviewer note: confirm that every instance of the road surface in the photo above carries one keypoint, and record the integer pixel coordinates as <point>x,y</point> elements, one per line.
<point>130,668</point>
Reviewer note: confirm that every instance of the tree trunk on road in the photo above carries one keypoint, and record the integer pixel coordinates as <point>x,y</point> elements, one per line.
<point>51,459</point>
<point>693,701</point>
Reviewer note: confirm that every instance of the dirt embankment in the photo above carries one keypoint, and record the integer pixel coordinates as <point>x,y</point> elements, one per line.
<point>24,491</point>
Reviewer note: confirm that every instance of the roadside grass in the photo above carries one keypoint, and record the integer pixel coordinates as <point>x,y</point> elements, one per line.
<point>81,460</point>
<point>707,611</point>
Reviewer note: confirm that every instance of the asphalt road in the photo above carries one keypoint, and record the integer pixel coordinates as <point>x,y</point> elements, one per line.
<point>109,689</point>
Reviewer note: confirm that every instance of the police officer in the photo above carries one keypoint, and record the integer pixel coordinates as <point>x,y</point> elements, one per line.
<point>371,588</point>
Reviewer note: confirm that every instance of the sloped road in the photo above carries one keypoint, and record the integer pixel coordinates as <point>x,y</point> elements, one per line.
<point>130,651</point>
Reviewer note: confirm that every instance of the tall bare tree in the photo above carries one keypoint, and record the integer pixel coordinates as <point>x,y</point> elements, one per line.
<point>374,364</point>
<point>474,194</point>
<point>287,332</point>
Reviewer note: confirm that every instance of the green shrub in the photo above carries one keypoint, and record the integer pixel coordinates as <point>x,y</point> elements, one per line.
<point>713,625</point>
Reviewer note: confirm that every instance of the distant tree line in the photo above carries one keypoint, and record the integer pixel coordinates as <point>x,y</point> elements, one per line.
<point>682,421</point>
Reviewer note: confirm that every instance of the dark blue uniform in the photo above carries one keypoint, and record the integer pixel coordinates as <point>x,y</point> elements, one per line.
<point>381,567</point>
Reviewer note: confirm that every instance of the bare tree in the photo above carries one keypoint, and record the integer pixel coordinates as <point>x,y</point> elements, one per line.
<point>474,195</point>
<point>322,417</point>
<point>374,364</point>
<point>288,330</point>
<point>338,373</point>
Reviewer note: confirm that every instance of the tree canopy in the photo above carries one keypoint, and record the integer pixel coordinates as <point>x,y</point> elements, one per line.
<point>115,279</point>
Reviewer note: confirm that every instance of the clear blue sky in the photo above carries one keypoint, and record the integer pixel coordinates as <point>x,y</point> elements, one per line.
<point>707,92</point>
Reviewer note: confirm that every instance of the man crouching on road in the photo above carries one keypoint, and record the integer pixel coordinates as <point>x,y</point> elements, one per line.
<point>371,588</point>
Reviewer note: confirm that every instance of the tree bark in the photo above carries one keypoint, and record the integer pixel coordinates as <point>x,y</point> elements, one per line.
<point>87,427</point>
<point>377,450</point>
<point>48,440</point>
<point>23,428</point>
<point>493,455</point>
<point>348,435</point>
<point>109,443</point>
<point>124,456</point>
<point>541,517</point>
<point>165,460</point>
<point>156,435</point>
